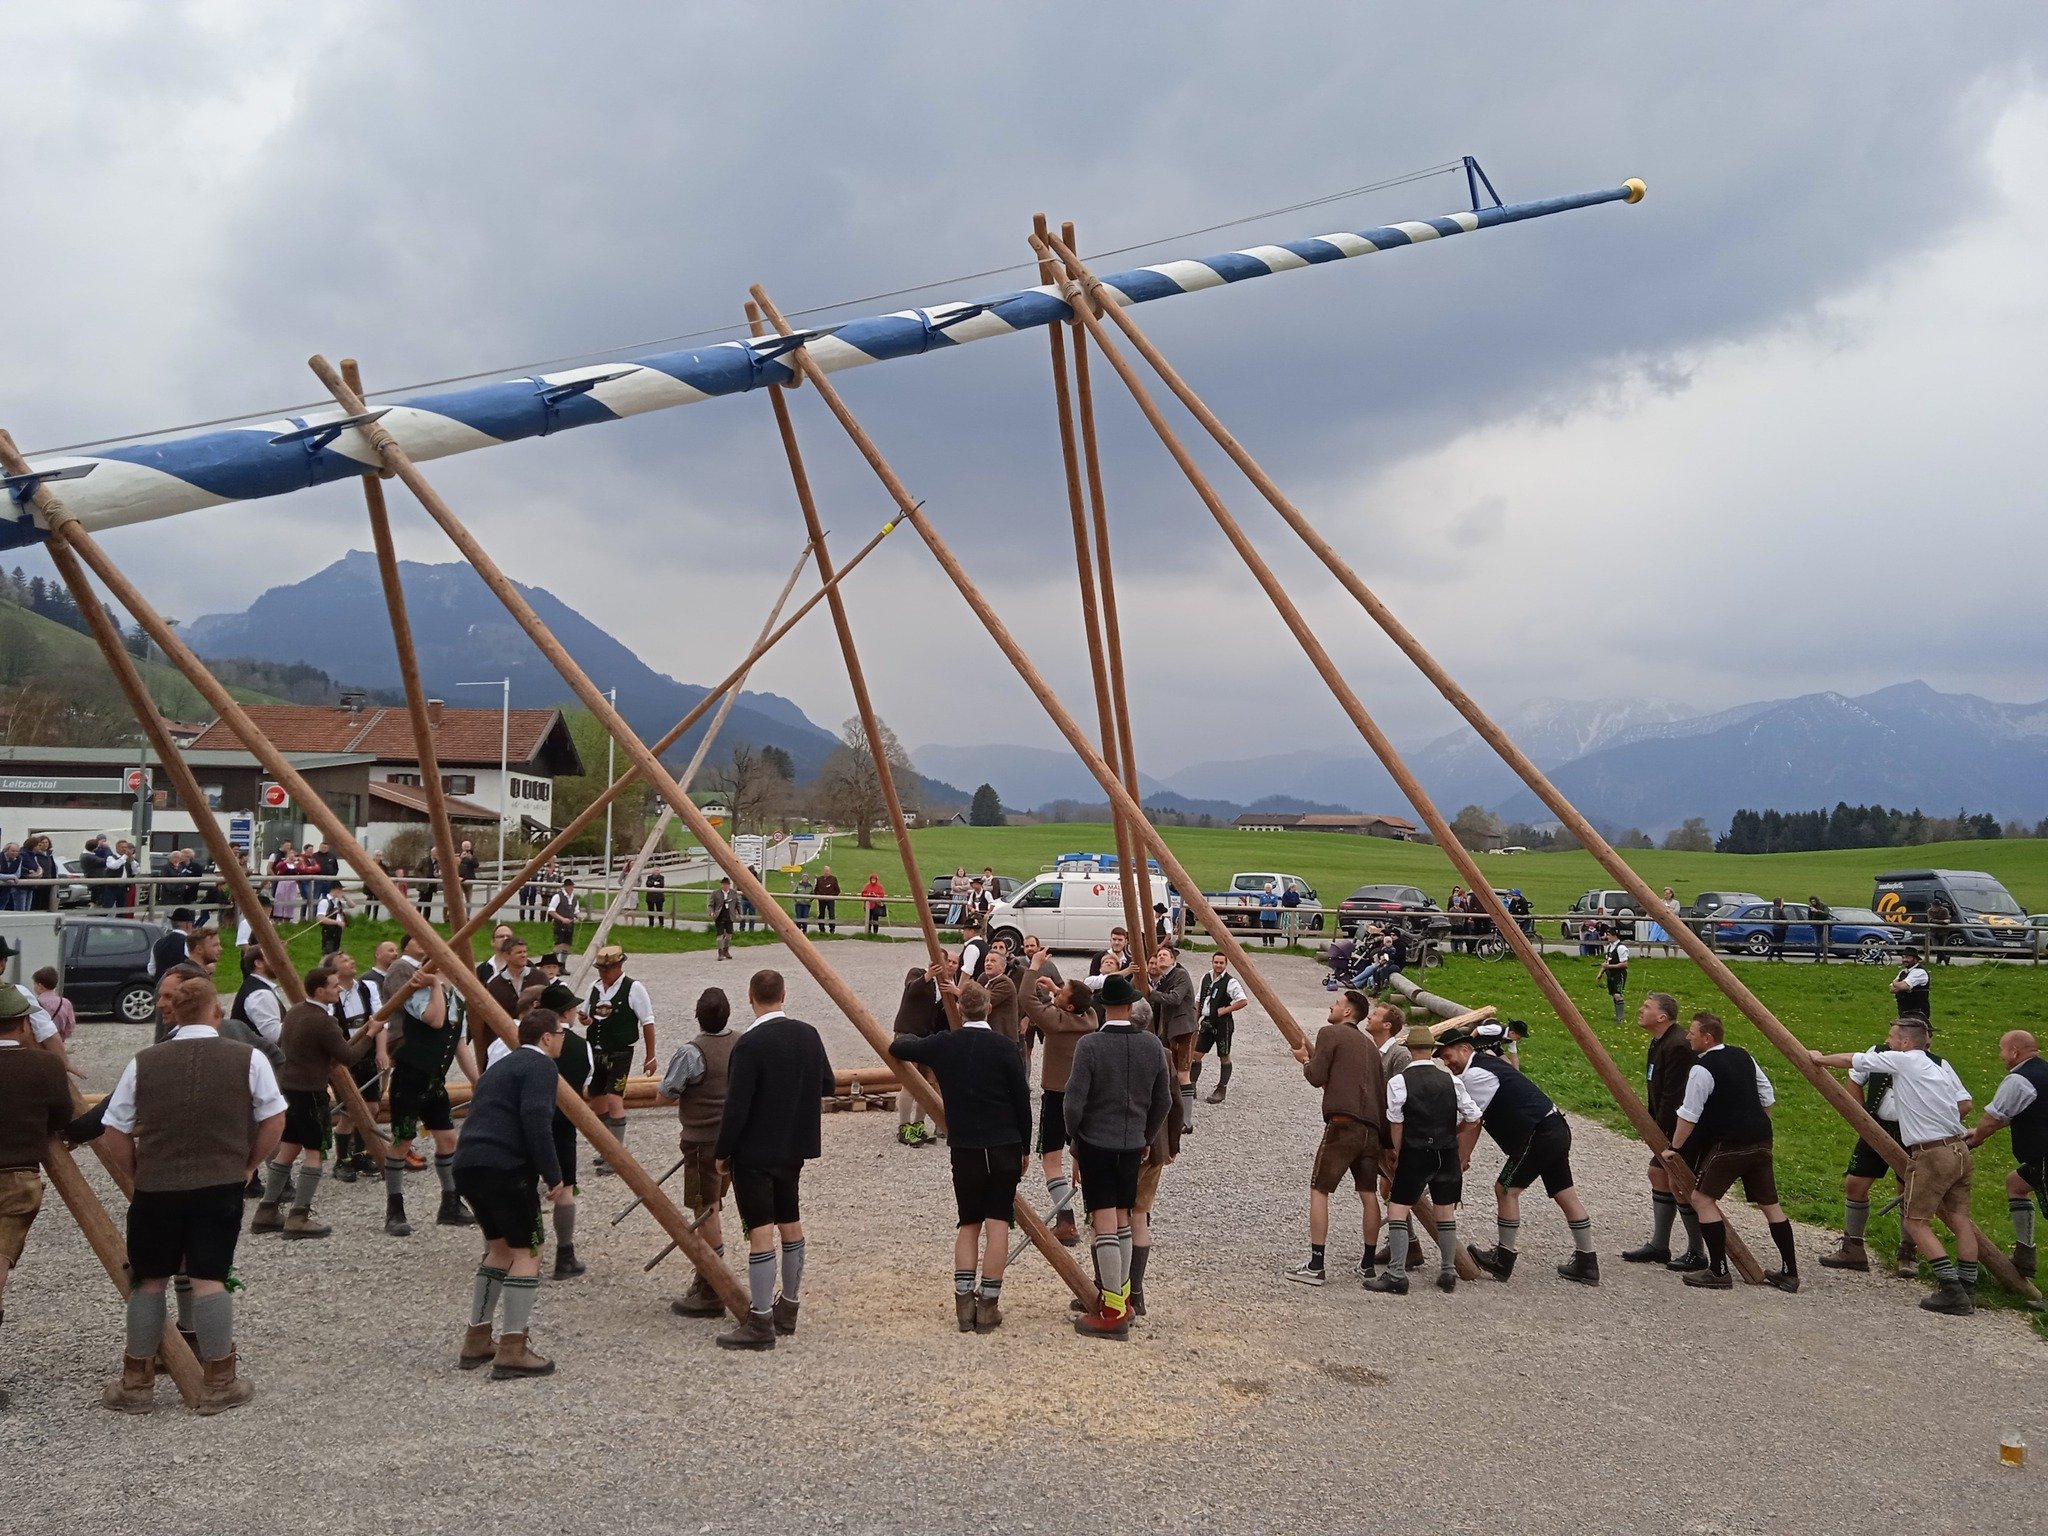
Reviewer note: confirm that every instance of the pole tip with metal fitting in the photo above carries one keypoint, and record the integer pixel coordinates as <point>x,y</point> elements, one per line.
<point>1636,189</point>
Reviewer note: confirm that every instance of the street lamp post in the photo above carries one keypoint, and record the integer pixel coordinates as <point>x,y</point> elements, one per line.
<point>504,684</point>
<point>611,749</point>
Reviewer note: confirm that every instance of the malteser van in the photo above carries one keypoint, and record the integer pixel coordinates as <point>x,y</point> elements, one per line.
<point>1071,909</point>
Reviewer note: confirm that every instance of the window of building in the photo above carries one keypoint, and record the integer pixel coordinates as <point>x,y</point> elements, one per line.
<point>458,783</point>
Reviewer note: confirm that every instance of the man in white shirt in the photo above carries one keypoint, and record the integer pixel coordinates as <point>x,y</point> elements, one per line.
<point>1910,988</point>
<point>1726,1115</point>
<point>1614,972</point>
<point>359,999</point>
<point>1426,1107</point>
<point>2022,1103</point>
<point>1928,1101</point>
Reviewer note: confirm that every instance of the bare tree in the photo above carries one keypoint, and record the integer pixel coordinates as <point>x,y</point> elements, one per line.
<point>849,789</point>
<point>752,785</point>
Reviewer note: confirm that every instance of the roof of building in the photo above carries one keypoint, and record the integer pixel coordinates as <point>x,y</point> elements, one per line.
<point>119,759</point>
<point>539,737</point>
<point>1400,823</point>
<point>414,798</point>
<point>1268,818</point>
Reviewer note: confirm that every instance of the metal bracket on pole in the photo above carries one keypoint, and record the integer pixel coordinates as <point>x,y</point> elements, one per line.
<point>1475,178</point>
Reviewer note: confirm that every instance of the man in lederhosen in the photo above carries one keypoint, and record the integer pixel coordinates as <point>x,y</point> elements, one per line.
<point>2022,1103</point>
<point>1426,1104</point>
<point>621,1015</point>
<point>1726,1112</point>
<point>1665,1069</point>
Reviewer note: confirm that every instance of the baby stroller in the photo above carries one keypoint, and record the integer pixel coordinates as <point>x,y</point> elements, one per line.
<point>1342,957</point>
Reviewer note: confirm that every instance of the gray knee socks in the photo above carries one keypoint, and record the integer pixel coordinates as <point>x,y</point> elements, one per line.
<point>275,1177</point>
<point>308,1186</point>
<point>444,1170</point>
<point>213,1319</point>
<point>145,1323</point>
<point>519,1294</point>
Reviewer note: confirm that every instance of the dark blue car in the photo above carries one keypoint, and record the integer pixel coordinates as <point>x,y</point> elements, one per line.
<point>1854,933</point>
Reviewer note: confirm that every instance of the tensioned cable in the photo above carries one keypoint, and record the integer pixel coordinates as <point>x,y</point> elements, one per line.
<point>735,329</point>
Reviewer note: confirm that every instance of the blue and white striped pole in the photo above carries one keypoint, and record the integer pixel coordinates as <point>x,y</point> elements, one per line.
<point>132,484</point>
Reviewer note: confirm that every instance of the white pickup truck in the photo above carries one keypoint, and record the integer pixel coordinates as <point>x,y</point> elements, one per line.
<point>1239,906</point>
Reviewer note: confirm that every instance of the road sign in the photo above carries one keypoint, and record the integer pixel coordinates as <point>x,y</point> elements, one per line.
<point>751,848</point>
<point>272,797</point>
<point>136,780</point>
<point>242,830</point>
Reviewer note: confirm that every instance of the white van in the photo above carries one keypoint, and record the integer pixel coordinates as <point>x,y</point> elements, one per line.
<point>1071,910</point>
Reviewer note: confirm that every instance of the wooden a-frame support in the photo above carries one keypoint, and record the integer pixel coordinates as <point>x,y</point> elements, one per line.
<point>400,463</point>
<point>1087,304</point>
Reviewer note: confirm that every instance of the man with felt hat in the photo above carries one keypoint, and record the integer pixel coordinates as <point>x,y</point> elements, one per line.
<point>1426,1106</point>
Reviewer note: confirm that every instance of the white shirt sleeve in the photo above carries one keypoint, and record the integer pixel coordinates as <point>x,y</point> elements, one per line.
<point>1397,1097</point>
<point>2011,1101</point>
<point>1468,1111</point>
<point>120,1112</point>
<point>265,1099</point>
<point>1699,1086</point>
<point>1621,954</point>
<point>1955,1083</point>
<point>1479,1087</point>
<point>643,1004</point>
<point>498,1052</point>
<point>1916,977</point>
<point>40,1024</point>
<point>264,1015</point>
<point>1237,994</point>
<point>1764,1090</point>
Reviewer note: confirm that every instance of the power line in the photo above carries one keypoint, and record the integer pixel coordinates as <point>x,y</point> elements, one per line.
<point>733,329</point>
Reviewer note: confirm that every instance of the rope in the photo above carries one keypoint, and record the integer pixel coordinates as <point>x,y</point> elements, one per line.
<point>544,365</point>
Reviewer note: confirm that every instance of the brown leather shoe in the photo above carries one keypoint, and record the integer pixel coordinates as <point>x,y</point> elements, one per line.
<point>1708,1280</point>
<point>478,1347</point>
<point>135,1392</point>
<point>300,1223</point>
<point>1908,1265</point>
<point>223,1389</point>
<point>963,1310</point>
<point>1064,1229</point>
<point>1849,1254</point>
<point>754,1331</point>
<point>698,1301</point>
<point>268,1218</point>
<point>785,1316</point>
<point>988,1314</point>
<point>514,1358</point>
<point>1104,1324</point>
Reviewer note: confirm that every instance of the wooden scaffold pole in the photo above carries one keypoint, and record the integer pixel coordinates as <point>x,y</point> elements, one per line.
<point>1717,970</point>
<point>807,953</point>
<point>1588,1041</point>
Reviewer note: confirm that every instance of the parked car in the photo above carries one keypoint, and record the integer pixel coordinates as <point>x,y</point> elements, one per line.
<point>1406,906</point>
<point>1854,932</point>
<point>1239,906</point>
<point>103,961</point>
<point>1612,909</point>
<point>1707,903</point>
<point>1983,914</point>
<point>77,893</point>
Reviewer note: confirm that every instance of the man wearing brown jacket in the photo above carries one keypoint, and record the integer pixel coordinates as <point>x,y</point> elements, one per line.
<point>1061,1015</point>
<point>695,1084</point>
<point>189,1122</point>
<point>35,1104</point>
<point>314,1045</point>
<point>1346,1065</point>
<point>1665,1070</point>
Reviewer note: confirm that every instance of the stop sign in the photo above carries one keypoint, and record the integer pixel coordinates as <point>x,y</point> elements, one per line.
<point>273,796</point>
<point>134,780</point>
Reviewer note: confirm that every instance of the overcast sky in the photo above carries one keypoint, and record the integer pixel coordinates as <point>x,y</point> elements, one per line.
<point>1775,429</point>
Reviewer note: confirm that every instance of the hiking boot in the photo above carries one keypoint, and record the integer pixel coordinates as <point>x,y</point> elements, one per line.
<point>988,1314</point>
<point>1217,1094</point>
<point>1103,1324</point>
<point>1496,1261</point>
<point>1137,1303</point>
<point>1688,1263</point>
<point>1416,1259</point>
<point>1953,1298</point>
<point>453,1213</point>
<point>1582,1269</point>
<point>1849,1254</point>
<point>698,1301</point>
<point>754,1331</point>
<point>268,1218</point>
<point>395,1224</point>
<point>1447,1280</point>
<point>784,1315</point>
<point>1378,1256</point>
<point>1786,1280</point>
<point>478,1347</point>
<point>1907,1265</point>
<point>302,1224</point>
<point>1064,1229</point>
<point>135,1392</point>
<point>223,1391</point>
<point>2023,1259</point>
<point>963,1310</point>
<point>1388,1284</point>
<point>1306,1274</point>
<point>1708,1280</point>
<point>567,1265</point>
<point>514,1358</point>
<point>1649,1253</point>
<point>346,1171</point>
<point>253,1190</point>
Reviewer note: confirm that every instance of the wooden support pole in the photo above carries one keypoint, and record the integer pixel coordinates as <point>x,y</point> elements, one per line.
<point>856,675</point>
<point>629,888</point>
<point>104,1238</point>
<point>1092,621</point>
<point>808,955</point>
<point>454,903</point>
<point>1617,1085</point>
<point>1268,999</point>
<point>65,528</point>
<point>1845,1103</point>
<point>591,812</point>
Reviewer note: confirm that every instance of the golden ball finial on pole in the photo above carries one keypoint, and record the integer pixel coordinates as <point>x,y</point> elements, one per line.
<point>1636,189</point>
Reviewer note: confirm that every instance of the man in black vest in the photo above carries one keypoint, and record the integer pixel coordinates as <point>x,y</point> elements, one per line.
<point>1867,1166</point>
<point>696,1084</point>
<point>173,948</point>
<point>621,1014</point>
<point>1426,1105</point>
<point>2022,1103</point>
<point>256,1017</point>
<point>190,1121</point>
<point>1533,1132</point>
<point>1910,987</point>
<point>430,1041</point>
<point>1614,972</point>
<point>778,1079</point>
<point>1219,1001</point>
<point>1727,1114</point>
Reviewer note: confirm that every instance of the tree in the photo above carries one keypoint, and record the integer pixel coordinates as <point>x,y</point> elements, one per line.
<point>780,763</point>
<point>1476,827</point>
<point>987,810</point>
<point>632,812</point>
<point>751,786</point>
<point>1690,836</point>
<point>1634,837</point>
<point>849,790</point>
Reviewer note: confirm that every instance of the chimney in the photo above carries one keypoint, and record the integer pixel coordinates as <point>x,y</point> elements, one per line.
<point>434,707</point>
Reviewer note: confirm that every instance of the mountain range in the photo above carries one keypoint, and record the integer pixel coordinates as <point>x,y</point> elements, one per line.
<point>334,620</point>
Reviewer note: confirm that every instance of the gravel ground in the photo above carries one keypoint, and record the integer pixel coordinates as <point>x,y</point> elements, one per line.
<point>1242,1403</point>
